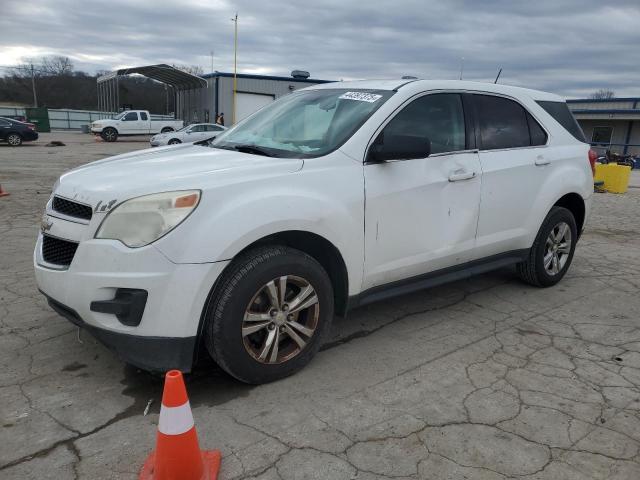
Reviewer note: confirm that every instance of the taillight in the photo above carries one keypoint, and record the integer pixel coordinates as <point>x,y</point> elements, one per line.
<point>592,160</point>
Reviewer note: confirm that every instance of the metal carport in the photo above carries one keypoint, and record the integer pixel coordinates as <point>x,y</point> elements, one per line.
<point>109,91</point>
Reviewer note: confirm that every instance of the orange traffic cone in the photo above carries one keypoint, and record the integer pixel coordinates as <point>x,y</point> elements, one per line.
<point>3,192</point>
<point>177,454</point>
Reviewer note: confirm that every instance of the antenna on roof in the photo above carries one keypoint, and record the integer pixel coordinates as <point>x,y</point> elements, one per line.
<point>461,67</point>
<point>498,76</point>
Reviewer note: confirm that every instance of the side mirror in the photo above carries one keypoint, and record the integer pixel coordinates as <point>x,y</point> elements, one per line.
<point>398,147</point>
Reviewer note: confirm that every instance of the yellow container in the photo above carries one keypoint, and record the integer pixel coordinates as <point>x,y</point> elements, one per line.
<point>615,177</point>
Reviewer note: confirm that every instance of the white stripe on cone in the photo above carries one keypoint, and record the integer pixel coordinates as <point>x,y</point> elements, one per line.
<point>175,420</point>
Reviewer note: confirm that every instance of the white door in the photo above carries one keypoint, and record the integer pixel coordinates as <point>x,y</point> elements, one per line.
<point>515,164</point>
<point>247,103</point>
<point>421,214</point>
<point>132,125</point>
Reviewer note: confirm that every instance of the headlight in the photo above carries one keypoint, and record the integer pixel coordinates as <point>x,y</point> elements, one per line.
<point>143,220</point>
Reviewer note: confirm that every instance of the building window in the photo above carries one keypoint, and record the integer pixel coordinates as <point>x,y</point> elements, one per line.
<point>602,135</point>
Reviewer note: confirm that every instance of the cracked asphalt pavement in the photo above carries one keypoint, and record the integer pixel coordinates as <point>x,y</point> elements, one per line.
<point>484,379</point>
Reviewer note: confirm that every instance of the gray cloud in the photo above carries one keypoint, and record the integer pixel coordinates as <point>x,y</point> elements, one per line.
<point>571,47</point>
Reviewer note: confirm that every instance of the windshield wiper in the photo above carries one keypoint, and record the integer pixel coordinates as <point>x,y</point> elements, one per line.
<point>252,149</point>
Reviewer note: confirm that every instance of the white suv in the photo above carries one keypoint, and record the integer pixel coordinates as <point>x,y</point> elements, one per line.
<point>329,198</point>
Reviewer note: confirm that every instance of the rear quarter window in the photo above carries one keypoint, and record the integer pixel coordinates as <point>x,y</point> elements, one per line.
<point>561,114</point>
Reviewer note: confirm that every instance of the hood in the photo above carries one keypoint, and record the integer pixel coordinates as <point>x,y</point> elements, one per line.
<point>163,169</point>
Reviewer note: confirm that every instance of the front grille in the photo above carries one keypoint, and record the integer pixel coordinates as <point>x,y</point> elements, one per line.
<point>58,251</point>
<point>72,209</point>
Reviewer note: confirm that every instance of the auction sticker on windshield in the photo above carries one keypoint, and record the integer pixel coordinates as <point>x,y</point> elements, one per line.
<point>361,96</point>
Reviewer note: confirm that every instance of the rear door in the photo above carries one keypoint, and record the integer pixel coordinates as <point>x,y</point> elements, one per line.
<point>515,164</point>
<point>421,214</point>
<point>144,124</point>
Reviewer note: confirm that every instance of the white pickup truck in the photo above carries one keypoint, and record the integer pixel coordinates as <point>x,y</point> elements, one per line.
<point>132,122</point>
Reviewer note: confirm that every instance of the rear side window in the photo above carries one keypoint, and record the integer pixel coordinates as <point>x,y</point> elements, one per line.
<point>143,116</point>
<point>503,123</point>
<point>561,114</point>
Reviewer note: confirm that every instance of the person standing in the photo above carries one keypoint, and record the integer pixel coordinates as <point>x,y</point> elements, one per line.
<point>220,119</point>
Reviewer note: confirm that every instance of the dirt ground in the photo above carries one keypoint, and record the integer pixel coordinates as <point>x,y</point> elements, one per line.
<point>486,378</point>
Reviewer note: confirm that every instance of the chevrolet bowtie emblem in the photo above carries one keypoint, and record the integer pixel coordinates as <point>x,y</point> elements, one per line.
<point>45,224</point>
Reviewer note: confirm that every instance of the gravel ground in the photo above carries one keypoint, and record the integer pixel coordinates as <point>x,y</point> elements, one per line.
<point>485,379</point>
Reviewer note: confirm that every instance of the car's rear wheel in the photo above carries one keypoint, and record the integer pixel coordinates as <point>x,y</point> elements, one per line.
<point>14,139</point>
<point>109,134</point>
<point>174,141</point>
<point>269,315</point>
<point>552,251</point>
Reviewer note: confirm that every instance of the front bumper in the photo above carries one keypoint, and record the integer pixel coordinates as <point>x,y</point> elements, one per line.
<point>149,353</point>
<point>176,296</point>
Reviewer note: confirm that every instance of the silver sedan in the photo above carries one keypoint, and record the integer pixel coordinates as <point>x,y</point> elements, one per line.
<point>188,134</point>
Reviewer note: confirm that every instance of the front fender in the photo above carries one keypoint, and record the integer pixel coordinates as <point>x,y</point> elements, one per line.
<point>231,218</point>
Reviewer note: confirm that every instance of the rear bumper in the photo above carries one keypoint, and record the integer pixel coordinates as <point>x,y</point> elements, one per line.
<point>29,136</point>
<point>149,353</point>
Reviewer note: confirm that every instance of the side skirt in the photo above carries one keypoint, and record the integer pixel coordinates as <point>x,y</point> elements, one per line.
<point>438,277</point>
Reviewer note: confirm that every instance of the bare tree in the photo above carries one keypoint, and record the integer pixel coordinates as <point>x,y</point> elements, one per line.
<point>192,69</point>
<point>56,65</point>
<point>603,93</point>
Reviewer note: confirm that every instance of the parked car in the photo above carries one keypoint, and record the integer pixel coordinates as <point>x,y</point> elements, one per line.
<point>132,122</point>
<point>14,132</point>
<point>188,134</point>
<point>331,197</point>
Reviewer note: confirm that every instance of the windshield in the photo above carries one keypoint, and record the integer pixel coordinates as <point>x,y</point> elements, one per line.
<point>120,115</point>
<point>308,123</point>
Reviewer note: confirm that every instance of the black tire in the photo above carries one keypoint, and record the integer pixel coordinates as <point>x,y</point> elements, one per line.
<point>174,141</point>
<point>533,271</point>
<point>166,129</point>
<point>109,134</point>
<point>14,139</point>
<point>235,291</point>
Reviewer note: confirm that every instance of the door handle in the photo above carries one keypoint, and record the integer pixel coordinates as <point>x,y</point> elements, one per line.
<point>459,175</point>
<point>540,160</point>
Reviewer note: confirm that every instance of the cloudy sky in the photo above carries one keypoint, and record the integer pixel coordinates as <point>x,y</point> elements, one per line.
<point>570,47</point>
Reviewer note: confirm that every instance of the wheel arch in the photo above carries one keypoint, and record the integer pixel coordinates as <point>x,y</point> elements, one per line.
<point>322,250</point>
<point>576,205</point>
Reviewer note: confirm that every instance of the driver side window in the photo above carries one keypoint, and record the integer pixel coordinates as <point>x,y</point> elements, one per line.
<point>437,119</point>
<point>131,117</point>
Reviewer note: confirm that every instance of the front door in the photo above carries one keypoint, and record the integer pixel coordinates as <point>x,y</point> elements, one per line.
<point>421,214</point>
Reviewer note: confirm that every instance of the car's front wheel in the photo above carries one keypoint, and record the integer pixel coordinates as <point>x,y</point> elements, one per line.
<point>14,140</point>
<point>269,315</point>
<point>109,134</point>
<point>174,141</point>
<point>552,250</point>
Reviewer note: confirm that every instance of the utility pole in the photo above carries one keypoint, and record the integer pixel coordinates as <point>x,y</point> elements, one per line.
<point>235,66</point>
<point>33,86</point>
<point>461,67</point>
<point>211,71</point>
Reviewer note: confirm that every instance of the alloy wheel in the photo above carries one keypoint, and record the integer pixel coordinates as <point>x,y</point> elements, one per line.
<point>557,248</point>
<point>280,319</point>
<point>14,140</point>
